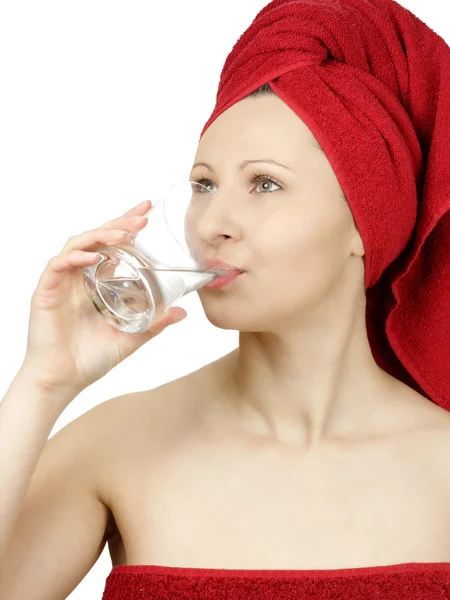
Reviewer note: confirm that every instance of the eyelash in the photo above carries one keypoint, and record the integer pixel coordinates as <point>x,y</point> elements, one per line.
<point>256,178</point>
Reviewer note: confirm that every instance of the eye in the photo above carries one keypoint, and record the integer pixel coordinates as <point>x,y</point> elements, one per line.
<point>264,178</point>
<point>257,178</point>
<point>203,181</point>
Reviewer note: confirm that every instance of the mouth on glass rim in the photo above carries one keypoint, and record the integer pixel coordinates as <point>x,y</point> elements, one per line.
<point>214,263</point>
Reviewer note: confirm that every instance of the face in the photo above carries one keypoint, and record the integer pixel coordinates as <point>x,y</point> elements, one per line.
<point>290,230</point>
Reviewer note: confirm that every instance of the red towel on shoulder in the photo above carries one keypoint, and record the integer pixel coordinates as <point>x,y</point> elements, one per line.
<point>409,581</point>
<point>372,82</point>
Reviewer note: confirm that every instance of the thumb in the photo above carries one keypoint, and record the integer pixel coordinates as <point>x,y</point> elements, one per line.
<point>132,342</point>
<point>173,315</point>
<point>176,314</point>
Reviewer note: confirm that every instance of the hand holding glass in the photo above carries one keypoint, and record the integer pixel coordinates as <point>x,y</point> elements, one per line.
<point>136,282</point>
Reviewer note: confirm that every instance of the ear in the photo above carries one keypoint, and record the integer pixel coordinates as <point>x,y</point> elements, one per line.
<point>357,246</point>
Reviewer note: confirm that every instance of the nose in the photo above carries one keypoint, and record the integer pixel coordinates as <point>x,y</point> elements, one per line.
<point>211,221</point>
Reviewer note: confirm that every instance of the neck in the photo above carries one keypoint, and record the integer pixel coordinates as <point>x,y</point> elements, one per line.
<point>307,385</point>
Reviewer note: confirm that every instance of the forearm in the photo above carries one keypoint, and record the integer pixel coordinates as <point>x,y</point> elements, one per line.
<point>27,416</point>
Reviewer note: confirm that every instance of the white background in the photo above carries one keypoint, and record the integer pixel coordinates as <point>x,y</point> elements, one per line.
<point>102,105</point>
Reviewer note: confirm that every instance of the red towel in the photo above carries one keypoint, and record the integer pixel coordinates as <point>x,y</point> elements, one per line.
<point>372,82</point>
<point>410,581</point>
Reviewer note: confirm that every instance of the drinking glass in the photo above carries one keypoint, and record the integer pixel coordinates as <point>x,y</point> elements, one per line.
<point>136,281</point>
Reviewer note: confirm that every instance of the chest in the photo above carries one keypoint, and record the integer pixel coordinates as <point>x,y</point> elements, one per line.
<point>219,507</point>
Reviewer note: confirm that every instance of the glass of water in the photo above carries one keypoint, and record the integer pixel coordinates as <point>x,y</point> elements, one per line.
<point>137,281</point>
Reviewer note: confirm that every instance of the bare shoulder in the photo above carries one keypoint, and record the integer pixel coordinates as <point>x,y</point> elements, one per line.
<point>136,433</point>
<point>134,430</point>
<point>120,415</point>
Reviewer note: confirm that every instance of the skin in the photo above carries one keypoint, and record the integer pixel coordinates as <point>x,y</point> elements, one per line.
<point>294,451</point>
<point>303,374</point>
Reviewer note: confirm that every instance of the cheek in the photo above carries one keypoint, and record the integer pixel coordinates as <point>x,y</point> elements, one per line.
<point>301,258</point>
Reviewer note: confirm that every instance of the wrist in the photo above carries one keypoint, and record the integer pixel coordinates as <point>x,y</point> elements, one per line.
<point>61,394</point>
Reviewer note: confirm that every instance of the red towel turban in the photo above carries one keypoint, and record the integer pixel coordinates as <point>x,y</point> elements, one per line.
<point>372,83</point>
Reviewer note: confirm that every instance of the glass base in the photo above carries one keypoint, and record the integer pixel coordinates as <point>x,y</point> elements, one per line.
<point>124,290</point>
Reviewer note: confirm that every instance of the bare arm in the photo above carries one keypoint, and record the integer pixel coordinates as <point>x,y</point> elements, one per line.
<point>61,528</point>
<point>27,416</point>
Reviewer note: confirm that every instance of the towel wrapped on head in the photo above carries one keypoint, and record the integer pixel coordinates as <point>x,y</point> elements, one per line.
<point>372,83</point>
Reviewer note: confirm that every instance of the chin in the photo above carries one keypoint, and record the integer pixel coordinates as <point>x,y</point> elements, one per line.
<point>228,318</point>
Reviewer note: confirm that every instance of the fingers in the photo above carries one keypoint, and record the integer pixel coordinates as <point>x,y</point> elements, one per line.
<point>131,222</point>
<point>90,240</point>
<point>137,211</point>
<point>140,209</point>
<point>75,258</point>
<point>79,250</point>
<point>57,266</point>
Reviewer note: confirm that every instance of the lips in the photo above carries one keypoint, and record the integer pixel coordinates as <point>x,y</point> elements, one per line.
<point>223,279</point>
<point>214,263</point>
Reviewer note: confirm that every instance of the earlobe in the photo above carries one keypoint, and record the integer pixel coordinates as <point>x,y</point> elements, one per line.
<point>358,246</point>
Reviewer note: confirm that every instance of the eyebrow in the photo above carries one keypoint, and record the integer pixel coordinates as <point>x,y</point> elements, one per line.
<point>245,163</point>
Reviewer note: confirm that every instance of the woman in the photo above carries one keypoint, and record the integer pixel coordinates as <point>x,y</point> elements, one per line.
<point>295,466</point>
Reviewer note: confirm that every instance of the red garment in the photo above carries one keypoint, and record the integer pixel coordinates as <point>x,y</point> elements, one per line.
<point>410,581</point>
<point>372,83</point>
